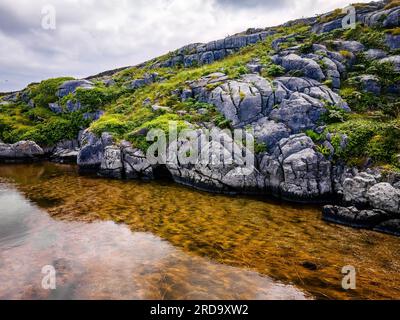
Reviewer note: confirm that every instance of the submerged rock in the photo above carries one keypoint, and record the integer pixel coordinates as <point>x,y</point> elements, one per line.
<point>390,227</point>
<point>365,219</point>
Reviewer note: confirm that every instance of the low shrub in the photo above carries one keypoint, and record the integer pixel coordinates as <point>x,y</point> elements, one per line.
<point>368,138</point>
<point>45,92</point>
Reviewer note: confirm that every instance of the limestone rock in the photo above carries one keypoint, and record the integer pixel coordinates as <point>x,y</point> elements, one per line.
<point>375,54</point>
<point>307,67</point>
<point>71,86</point>
<point>136,165</point>
<point>111,164</point>
<point>92,149</point>
<point>385,197</point>
<point>20,151</point>
<point>355,189</point>
<point>366,219</point>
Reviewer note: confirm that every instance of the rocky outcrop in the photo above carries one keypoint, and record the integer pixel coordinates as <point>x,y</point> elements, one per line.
<point>206,53</point>
<point>304,66</point>
<point>146,80</point>
<point>70,87</point>
<point>289,164</point>
<point>298,103</point>
<point>382,18</point>
<point>20,151</point>
<point>66,151</point>
<point>375,201</point>
<point>375,54</point>
<point>355,189</point>
<point>369,83</point>
<point>135,163</point>
<point>111,163</point>
<point>393,60</point>
<point>320,64</point>
<point>218,169</point>
<point>103,155</point>
<point>55,107</point>
<point>90,156</point>
<point>296,171</point>
<point>385,197</point>
<point>367,13</point>
<point>365,219</point>
<point>393,41</point>
<point>269,132</point>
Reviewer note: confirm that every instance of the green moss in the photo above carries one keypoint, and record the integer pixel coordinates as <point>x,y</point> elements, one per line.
<point>260,147</point>
<point>336,14</point>
<point>162,122</point>
<point>96,98</point>
<point>273,70</point>
<point>314,136</point>
<point>361,101</point>
<point>345,53</point>
<point>112,123</point>
<point>371,38</point>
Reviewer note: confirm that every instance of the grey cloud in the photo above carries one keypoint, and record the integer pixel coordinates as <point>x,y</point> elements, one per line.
<point>248,4</point>
<point>94,36</point>
<point>11,23</point>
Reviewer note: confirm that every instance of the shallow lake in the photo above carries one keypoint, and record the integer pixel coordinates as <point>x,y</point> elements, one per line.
<point>110,239</point>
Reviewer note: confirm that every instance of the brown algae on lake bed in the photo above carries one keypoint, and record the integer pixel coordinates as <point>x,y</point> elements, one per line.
<point>287,242</point>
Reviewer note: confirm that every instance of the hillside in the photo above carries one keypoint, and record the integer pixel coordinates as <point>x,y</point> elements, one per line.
<point>323,103</point>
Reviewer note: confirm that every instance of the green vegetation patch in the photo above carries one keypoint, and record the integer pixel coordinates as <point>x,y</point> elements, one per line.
<point>376,139</point>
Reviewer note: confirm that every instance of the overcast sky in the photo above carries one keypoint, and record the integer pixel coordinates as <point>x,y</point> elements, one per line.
<point>92,36</point>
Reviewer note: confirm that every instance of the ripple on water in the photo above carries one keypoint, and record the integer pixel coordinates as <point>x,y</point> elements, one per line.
<point>104,260</point>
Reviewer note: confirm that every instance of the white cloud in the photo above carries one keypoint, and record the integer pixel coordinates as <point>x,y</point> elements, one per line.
<point>94,36</point>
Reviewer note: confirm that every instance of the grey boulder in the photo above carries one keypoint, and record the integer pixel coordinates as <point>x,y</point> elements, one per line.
<point>306,67</point>
<point>135,163</point>
<point>91,154</point>
<point>111,164</point>
<point>20,151</point>
<point>71,86</point>
<point>385,197</point>
<point>366,219</point>
<point>355,189</point>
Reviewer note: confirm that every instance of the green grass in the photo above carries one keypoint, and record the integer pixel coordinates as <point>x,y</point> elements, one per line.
<point>45,92</point>
<point>392,4</point>
<point>372,129</point>
<point>376,139</point>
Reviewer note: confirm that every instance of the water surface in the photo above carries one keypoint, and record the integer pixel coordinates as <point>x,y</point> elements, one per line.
<point>132,240</point>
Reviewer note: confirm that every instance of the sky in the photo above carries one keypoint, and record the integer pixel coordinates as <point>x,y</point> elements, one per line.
<point>86,37</point>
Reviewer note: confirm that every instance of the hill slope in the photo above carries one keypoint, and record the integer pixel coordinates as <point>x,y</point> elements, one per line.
<point>323,102</point>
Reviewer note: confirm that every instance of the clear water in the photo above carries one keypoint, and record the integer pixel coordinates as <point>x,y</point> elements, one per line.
<point>131,240</point>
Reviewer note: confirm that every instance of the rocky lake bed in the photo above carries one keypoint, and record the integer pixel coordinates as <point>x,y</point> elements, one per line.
<point>322,191</point>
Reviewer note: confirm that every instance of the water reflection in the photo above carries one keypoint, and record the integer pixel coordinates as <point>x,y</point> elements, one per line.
<point>103,260</point>
<point>286,242</point>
